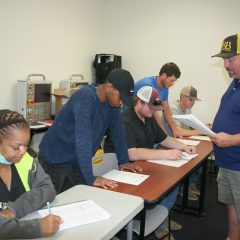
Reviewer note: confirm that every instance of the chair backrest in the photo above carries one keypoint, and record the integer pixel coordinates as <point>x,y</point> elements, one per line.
<point>154,218</point>
<point>103,163</point>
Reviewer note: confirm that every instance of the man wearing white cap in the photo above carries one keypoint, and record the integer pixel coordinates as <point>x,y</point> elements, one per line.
<point>226,141</point>
<point>143,133</point>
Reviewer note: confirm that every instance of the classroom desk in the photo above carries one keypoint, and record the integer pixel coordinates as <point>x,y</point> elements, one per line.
<point>122,207</point>
<point>164,178</point>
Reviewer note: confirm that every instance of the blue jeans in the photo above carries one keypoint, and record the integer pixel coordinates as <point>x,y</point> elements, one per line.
<point>169,201</point>
<point>194,177</point>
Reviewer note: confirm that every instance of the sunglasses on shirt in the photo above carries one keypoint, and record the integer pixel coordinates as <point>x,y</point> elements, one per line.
<point>157,102</point>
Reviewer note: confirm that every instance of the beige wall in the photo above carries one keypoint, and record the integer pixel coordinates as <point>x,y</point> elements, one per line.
<point>54,37</point>
<point>152,32</point>
<point>60,37</point>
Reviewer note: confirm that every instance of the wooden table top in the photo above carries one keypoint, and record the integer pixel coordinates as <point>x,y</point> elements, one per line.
<point>163,178</point>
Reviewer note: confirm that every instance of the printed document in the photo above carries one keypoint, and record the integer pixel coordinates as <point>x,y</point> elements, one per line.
<point>126,177</point>
<point>77,213</point>
<point>175,163</point>
<point>188,142</point>
<point>204,138</point>
<point>193,122</point>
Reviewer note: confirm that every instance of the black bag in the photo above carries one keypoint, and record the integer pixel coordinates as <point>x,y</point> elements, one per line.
<point>105,63</point>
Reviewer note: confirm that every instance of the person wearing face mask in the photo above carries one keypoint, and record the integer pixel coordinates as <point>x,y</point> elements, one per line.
<point>24,186</point>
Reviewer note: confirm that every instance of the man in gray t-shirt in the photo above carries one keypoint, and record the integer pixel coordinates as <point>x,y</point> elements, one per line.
<point>188,96</point>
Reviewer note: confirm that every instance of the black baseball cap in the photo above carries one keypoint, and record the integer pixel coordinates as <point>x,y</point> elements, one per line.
<point>123,81</point>
<point>230,47</point>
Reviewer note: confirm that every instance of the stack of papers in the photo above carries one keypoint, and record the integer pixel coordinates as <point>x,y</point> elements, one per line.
<point>204,138</point>
<point>193,122</point>
<point>188,142</point>
<point>77,213</point>
<point>126,177</point>
<point>175,163</point>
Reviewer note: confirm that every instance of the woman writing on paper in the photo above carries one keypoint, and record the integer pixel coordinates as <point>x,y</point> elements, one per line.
<point>24,186</point>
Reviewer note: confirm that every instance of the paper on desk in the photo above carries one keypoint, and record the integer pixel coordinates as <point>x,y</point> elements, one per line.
<point>175,163</point>
<point>126,177</point>
<point>77,213</point>
<point>188,142</point>
<point>193,122</point>
<point>205,138</point>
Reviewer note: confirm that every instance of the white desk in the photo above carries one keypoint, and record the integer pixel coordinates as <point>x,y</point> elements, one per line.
<point>122,207</point>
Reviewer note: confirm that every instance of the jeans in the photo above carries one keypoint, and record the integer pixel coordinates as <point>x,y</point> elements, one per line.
<point>194,177</point>
<point>169,202</point>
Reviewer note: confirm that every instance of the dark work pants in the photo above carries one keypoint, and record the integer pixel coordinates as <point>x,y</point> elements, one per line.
<point>63,176</point>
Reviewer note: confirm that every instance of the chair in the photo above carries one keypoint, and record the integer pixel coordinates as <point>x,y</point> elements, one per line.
<point>154,218</point>
<point>103,163</point>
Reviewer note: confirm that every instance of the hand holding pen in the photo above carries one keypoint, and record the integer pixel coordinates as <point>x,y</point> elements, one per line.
<point>50,224</point>
<point>190,149</point>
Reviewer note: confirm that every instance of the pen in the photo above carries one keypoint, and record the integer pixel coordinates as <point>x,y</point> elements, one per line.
<point>49,207</point>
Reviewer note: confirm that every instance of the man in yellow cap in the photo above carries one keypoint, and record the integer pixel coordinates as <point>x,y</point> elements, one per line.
<point>226,141</point>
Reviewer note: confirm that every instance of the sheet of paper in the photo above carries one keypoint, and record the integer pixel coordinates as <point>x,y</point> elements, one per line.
<point>78,213</point>
<point>204,138</point>
<point>36,125</point>
<point>126,177</point>
<point>193,122</point>
<point>188,142</point>
<point>175,163</point>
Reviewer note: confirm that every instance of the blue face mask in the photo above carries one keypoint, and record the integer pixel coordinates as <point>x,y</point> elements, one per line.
<point>3,160</point>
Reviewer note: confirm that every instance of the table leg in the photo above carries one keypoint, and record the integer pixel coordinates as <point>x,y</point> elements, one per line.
<point>130,230</point>
<point>185,193</point>
<point>142,224</point>
<point>202,189</point>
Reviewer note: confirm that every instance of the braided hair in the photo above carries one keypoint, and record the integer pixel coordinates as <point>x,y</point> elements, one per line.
<point>10,120</point>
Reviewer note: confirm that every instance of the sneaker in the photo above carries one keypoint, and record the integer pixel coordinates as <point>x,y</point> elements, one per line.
<point>174,226</point>
<point>194,188</point>
<point>191,195</point>
<point>163,233</point>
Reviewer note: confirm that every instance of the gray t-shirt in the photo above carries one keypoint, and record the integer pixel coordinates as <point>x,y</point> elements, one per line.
<point>175,108</point>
